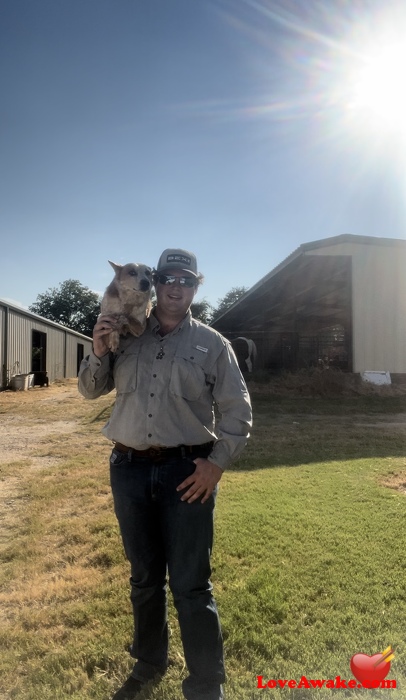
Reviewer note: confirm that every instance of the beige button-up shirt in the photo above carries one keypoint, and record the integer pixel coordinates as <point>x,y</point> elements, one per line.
<point>167,389</point>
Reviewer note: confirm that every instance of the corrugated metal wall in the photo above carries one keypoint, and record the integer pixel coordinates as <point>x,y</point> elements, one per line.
<point>2,345</point>
<point>61,346</point>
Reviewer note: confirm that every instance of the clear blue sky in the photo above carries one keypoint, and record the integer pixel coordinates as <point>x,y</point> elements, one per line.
<point>234,128</point>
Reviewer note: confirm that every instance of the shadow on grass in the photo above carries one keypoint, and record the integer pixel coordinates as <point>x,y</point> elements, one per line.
<point>295,431</point>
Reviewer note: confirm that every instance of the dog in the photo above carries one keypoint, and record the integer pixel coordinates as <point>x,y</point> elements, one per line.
<point>128,299</point>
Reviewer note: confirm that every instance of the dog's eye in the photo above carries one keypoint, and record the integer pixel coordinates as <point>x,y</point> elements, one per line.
<point>148,273</point>
<point>133,273</point>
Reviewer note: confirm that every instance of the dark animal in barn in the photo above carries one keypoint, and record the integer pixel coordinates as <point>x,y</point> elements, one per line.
<point>246,353</point>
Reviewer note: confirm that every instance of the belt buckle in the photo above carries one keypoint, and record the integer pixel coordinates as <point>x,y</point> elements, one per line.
<point>155,452</point>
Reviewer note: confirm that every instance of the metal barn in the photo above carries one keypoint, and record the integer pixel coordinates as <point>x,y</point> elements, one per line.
<point>30,344</point>
<point>339,301</point>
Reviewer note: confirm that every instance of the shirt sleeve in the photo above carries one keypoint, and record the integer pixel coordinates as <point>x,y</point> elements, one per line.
<point>95,376</point>
<point>234,407</point>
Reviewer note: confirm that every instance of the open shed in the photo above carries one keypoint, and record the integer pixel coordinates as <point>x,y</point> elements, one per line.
<point>30,344</point>
<point>339,301</point>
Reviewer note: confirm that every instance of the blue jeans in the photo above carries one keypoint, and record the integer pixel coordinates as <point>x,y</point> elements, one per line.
<point>163,534</point>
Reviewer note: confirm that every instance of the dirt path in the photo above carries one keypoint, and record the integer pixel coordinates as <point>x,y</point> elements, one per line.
<point>20,436</point>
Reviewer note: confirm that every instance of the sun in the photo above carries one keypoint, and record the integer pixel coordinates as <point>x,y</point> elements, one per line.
<point>377,88</point>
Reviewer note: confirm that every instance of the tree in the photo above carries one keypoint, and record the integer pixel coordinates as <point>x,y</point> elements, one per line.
<point>72,305</point>
<point>202,310</point>
<point>228,300</point>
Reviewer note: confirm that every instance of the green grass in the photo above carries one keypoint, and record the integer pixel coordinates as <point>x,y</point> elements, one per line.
<point>309,563</point>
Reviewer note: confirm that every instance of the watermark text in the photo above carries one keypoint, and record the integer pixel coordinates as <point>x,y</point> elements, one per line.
<point>337,682</point>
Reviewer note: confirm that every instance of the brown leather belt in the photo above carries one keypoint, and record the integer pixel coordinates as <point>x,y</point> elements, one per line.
<point>160,453</point>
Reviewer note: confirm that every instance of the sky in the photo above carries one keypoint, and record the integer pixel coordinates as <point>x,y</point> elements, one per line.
<point>237,129</point>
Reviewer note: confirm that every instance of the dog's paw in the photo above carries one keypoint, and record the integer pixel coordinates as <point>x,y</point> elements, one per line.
<point>114,340</point>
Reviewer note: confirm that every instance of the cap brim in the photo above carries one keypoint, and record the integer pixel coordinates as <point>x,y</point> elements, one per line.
<point>175,267</point>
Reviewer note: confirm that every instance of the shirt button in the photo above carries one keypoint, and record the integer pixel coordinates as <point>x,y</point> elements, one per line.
<point>152,394</point>
<point>154,375</point>
<point>192,358</point>
<point>149,415</point>
<point>149,434</point>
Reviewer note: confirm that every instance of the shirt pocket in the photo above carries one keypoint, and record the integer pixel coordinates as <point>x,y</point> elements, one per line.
<point>188,378</point>
<point>125,370</point>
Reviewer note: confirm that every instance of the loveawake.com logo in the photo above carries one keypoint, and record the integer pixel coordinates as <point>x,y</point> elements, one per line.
<point>369,671</point>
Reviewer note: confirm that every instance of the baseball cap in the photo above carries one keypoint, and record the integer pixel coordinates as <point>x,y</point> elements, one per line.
<point>177,259</point>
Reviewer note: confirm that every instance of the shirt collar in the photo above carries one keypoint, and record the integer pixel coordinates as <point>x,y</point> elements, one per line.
<point>154,323</point>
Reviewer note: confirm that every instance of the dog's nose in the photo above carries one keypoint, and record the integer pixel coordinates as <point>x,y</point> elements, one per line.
<point>144,285</point>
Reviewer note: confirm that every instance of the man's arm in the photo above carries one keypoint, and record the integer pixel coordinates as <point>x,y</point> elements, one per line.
<point>234,408</point>
<point>232,399</point>
<point>95,377</point>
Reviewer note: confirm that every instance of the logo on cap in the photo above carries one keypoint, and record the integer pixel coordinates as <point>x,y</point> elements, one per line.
<point>178,258</point>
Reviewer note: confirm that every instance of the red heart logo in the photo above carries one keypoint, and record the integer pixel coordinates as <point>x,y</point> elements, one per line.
<point>369,668</point>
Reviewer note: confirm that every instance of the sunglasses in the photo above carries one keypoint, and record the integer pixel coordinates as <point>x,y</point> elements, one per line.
<point>171,279</point>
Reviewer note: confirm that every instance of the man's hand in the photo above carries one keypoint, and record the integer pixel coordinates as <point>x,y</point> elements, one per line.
<point>202,482</point>
<point>101,332</point>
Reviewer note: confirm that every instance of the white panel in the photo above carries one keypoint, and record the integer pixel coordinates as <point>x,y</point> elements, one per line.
<point>378,304</point>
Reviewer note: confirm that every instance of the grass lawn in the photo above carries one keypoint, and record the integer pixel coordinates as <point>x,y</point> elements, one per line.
<point>309,565</point>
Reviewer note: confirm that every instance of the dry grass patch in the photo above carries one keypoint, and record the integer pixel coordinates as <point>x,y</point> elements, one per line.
<point>395,480</point>
<point>316,382</point>
<point>59,535</point>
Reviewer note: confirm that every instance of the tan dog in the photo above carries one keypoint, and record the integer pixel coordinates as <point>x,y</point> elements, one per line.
<point>128,299</point>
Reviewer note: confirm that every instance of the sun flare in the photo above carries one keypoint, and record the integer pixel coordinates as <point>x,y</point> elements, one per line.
<point>377,87</point>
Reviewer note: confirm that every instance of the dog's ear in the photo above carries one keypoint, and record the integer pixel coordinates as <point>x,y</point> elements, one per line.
<point>116,267</point>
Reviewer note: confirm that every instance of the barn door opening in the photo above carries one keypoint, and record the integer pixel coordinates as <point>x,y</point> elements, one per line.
<point>79,356</point>
<point>39,352</point>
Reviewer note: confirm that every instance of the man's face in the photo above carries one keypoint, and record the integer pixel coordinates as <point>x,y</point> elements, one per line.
<point>175,299</point>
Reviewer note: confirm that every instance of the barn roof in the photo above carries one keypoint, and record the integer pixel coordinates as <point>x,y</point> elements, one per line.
<point>5,303</point>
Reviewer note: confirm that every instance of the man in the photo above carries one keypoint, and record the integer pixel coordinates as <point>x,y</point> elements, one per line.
<point>168,457</point>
